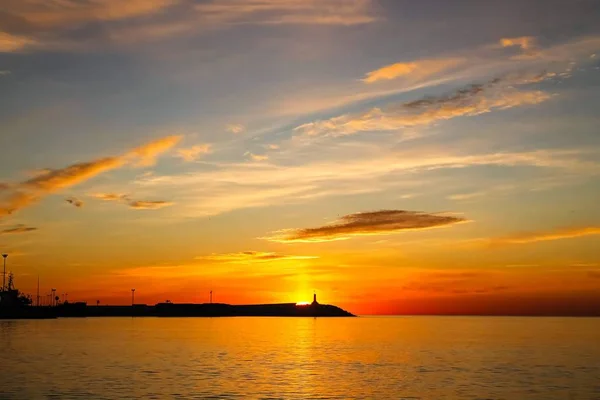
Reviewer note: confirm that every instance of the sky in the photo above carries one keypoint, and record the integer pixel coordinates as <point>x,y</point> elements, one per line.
<point>392,156</point>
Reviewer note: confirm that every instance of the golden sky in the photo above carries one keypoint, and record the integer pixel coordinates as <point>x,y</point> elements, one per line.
<point>393,156</point>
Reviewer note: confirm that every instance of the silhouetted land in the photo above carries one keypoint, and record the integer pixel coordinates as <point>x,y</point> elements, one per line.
<point>178,310</point>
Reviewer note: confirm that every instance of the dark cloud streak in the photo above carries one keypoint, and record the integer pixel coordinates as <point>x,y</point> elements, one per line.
<point>367,223</point>
<point>18,229</point>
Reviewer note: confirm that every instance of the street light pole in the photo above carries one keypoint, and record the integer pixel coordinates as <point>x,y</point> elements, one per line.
<point>132,296</point>
<point>4,272</point>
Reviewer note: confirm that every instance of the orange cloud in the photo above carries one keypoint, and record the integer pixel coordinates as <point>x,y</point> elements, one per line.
<point>557,234</point>
<point>258,157</point>
<point>147,153</point>
<point>110,196</point>
<point>55,179</point>
<point>16,200</point>
<point>417,69</point>
<point>524,42</point>
<point>56,13</point>
<point>11,43</point>
<point>252,257</point>
<point>305,12</point>
<point>192,153</point>
<point>48,181</point>
<point>382,222</point>
<point>136,204</point>
<point>149,205</point>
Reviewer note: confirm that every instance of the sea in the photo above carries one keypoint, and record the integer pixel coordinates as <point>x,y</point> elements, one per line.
<point>408,357</point>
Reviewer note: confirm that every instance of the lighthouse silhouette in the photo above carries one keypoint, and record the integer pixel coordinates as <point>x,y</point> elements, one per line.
<point>314,302</point>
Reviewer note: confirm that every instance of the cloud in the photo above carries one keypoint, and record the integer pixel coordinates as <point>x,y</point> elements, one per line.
<point>110,196</point>
<point>50,24</point>
<point>75,202</point>
<point>22,194</point>
<point>55,13</point>
<point>55,179</point>
<point>4,72</point>
<point>192,153</point>
<point>149,204</point>
<point>147,153</point>
<point>465,196</point>
<point>245,257</point>
<point>258,157</point>
<point>225,187</point>
<point>273,147</point>
<point>416,70</point>
<point>543,236</point>
<point>584,265</point>
<point>235,128</point>
<point>580,47</point>
<point>382,222</point>
<point>135,204</point>
<point>524,42</point>
<point>290,12</point>
<point>10,43</point>
<point>472,100</point>
<point>17,229</point>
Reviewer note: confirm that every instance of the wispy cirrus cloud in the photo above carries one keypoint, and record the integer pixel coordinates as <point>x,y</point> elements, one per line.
<point>22,194</point>
<point>17,229</point>
<point>382,222</point>
<point>135,204</point>
<point>466,196</point>
<point>416,70</point>
<point>229,187</point>
<point>475,99</point>
<point>49,24</point>
<point>543,236</point>
<point>52,13</point>
<point>246,257</point>
<point>291,12</point>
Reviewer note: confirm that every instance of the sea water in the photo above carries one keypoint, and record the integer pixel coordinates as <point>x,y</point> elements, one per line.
<point>301,358</point>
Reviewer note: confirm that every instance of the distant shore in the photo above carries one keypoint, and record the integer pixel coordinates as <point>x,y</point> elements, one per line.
<point>74,310</point>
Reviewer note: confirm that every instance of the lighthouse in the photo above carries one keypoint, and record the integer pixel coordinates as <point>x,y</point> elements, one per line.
<point>314,302</point>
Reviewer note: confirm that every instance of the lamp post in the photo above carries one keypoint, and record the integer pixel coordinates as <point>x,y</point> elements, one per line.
<point>52,300</point>
<point>4,272</point>
<point>132,296</point>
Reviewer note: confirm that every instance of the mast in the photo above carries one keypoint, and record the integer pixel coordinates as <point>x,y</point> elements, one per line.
<point>38,292</point>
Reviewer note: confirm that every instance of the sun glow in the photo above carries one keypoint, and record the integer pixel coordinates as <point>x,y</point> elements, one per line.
<point>303,303</point>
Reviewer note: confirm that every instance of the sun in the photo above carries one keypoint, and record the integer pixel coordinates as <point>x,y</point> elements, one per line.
<point>302,303</point>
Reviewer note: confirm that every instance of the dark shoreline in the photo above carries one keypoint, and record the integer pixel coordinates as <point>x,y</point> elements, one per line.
<point>82,310</point>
